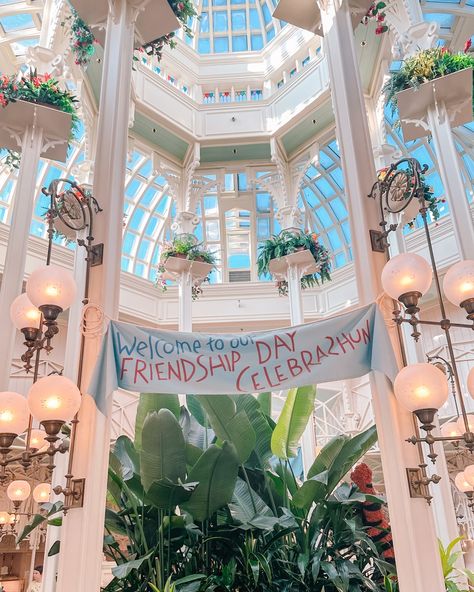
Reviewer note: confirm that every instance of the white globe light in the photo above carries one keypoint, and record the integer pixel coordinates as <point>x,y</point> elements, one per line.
<point>54,398</point>
<point>462,427</point>
<point>450,430</point>
<point>18,491</point>
<point>24,314</point>
<point>14,413</point>
<point>4,518</point>
<point>462,484</point>
<point>51,286</point>
<point>42,493</point>
<point>404,273</point>
<point>38,439</point>
<point>458,283</point>
<point>469,474</point>
<point>421,386</point>
<point>470,382</point>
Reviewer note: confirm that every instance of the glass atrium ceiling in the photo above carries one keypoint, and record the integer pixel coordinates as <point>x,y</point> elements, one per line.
<point>227,26</point>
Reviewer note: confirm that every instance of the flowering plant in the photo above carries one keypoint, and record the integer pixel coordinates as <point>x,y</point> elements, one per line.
<point>82,39</point>
<point>35,88</point>
<point>185,247</point>
<point>424,66</point>
<point>184,10</point>
<point>376,13</point>
<point>431,201</point>
<point>288,242</point>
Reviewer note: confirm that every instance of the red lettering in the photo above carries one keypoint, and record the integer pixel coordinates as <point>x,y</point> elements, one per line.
<point>158,370</point>
<point>320,354</point>
<point>344,341</point>
<point>281,343</point>
<point>191,367</point>
<point>174,371</point>
<point>366,332</point>
<point>307,359</point>
<point>331,345</point>
<point>201,365</point>
<point>219,364</point>
<point>281,377</point>
<point>122,367</point>
<point>256,385</point>
<point>240,378</point>
<point>235,357</point>
<point>139,371</point>
<point>269,380</point>
<point>294,368</point>
<point>261,345</point>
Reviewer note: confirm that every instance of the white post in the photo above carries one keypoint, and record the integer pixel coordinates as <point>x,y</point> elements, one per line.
<point>80,561</point>
<point>450,172</point>
<point>416,547</point>
<point>14,270</point>
<point>71,368</point>
<point>185,313</point>
<point>294,273</point>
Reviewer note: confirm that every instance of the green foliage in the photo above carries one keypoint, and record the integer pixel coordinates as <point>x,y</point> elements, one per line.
<point>424,66</point>
<point>187,247</point>
<point>298,407</point>
<point>449,557</point>
<point>288,242</point>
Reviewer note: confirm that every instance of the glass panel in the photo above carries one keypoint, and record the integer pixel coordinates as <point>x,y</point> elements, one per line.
<point>221,44</point>
<point>239,21</point>
<point>239,43</point>
<point>220,21</point>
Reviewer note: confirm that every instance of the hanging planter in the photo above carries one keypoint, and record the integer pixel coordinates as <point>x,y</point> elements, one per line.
<point>429,77</point>
<point>36,99</point>
<point>82,40</point>
<point>401,190</point>
<point>288,243</point>
<point>185,254</point>
<point>376,13</point>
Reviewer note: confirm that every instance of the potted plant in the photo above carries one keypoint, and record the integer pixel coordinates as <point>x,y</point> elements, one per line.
<point>424,66</point>
<point>41,89</point>
<point>185,247</point>
<point>288,242</point>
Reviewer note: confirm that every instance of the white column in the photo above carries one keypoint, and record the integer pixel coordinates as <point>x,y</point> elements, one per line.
<point>415,541</point>
<point>14,270</point>
<point>449,167</point>
<point>294,273</point>
<point>185,301</point>
<point>80,560</point>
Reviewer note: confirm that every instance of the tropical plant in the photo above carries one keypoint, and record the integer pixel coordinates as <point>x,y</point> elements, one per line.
<point>424,66</point>
<point>288,242</point>
<point>206,496</point>
<point>452,574</point>
<point>35,88</point>
<point>185,246</point>
<point>82,40</point>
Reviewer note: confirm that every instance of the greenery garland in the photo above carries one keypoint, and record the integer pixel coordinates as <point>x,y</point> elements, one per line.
<point>376,13</point>
<point>288,242</point>
<point>422,67</point>
<point>186,247</point>
<point>35,88</point>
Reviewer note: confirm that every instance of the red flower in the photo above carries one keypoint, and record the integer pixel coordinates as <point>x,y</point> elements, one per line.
<point>467,45</point>
<point>36,81</point>
<point>180,6</point>
<point>3,101</point>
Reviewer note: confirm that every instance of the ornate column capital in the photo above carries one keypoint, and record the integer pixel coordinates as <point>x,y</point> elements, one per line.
<point>45,60</point>
<point>290,217</point>
<point>185,222</point>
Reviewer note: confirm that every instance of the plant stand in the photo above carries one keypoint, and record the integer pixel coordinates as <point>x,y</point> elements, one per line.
<point>186,273</point>
<point>292,268</point>
<point>154,19</point>
<point>435,107</point>
<point>35,131</point>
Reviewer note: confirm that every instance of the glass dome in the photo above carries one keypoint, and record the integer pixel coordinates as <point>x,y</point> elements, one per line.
<point>225,26</point>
